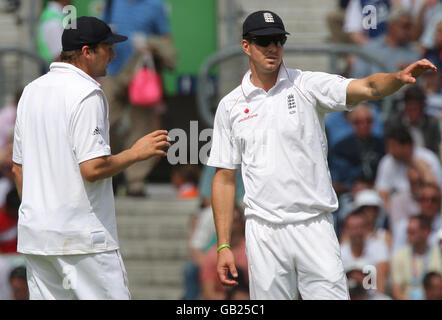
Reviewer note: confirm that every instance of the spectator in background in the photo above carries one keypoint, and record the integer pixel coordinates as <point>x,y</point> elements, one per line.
<point>393,48</point>
<point>369,203</point>
<point>405,204</point>
<point>202,237</point>
<point>346,202</point>
<point>7,120</point>
<point>361,251</point>
<point>433,286</point>
<point>356,288</point>
<point>146,24</point>
<point>8,223</point>
<point>392,170</point>
<point>338,126</point>
<point>411,263</point>
<point>425,27</point>
<point>432,83</point>
<point>356,14</point>
<point>430,207</point>
<point>358,154</point>
<point>241,290</point>
<point>434,54</point>
<point>185,179</point>
<point>423,128</point>
<point>50,28</point>
<point>7,179</point>
<point>413,6</point>
<point>212,288</point>
<point>19,284</point>
<point>335,22</point>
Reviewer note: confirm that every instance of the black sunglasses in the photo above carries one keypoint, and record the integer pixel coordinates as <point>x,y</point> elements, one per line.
<point>265,41</point>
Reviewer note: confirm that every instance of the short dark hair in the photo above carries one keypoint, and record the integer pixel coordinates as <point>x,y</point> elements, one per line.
<point>400,134</point>
<point>424,222</point>
<point>414,92</point>
<point>429,277</point>
<point>72,55</point>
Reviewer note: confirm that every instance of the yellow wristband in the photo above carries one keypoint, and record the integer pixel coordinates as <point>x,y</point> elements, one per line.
<point>223,246</point>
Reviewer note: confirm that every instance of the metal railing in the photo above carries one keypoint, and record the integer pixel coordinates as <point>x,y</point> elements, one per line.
<point>22,54</point>
<point>205,90</point>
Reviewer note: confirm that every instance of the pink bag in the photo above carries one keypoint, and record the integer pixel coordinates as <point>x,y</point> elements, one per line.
<point>145,88</point>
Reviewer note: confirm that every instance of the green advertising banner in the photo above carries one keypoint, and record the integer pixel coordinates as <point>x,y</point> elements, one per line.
<point>193,25</point>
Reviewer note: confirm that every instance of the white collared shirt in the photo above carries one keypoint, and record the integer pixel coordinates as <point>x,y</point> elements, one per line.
<point>62,120</point>
<point>279,140</point>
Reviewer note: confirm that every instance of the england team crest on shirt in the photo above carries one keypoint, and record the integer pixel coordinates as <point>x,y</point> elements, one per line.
<point>291,104</point>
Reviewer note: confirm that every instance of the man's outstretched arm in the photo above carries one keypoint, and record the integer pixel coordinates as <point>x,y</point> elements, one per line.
<point>380,85</point>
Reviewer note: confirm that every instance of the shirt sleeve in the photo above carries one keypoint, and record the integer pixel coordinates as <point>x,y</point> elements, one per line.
<point>329,90</point>
<point>225,150</point>
<point>89,129</point>
<point>17,144</point>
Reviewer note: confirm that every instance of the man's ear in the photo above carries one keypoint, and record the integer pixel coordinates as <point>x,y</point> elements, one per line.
<point>246,46</point>
<point>86,51</point>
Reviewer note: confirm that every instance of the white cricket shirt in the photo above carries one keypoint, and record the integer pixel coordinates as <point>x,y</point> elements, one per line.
<point>278,138</point>
<point>62,120</point>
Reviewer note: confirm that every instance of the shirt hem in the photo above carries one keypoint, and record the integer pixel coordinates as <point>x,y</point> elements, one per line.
<point>94,155</point>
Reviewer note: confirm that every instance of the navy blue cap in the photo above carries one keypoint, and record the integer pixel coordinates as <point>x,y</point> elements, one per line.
<point>261,23</point>
<point>89,30</point>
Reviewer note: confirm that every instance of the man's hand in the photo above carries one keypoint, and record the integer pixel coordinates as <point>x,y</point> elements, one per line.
<point>379,85</point>
<point>414,70</point>
<point>152,144</point>
<point>226,263</point>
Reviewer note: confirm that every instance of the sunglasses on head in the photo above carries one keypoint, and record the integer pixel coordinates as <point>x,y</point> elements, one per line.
<point>265,41</point>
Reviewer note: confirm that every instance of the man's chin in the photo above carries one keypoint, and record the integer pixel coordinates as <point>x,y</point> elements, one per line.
<point>269,68</point>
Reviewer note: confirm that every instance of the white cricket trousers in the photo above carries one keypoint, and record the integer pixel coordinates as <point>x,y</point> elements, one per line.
<point>97,276</point>
<point>304,256</point>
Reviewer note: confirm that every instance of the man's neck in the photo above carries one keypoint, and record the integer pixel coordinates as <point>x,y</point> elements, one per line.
<point>83,68</point>
<point>263,80</point>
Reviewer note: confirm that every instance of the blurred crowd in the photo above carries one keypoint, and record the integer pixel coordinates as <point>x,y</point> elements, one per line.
<point>385,166</point>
